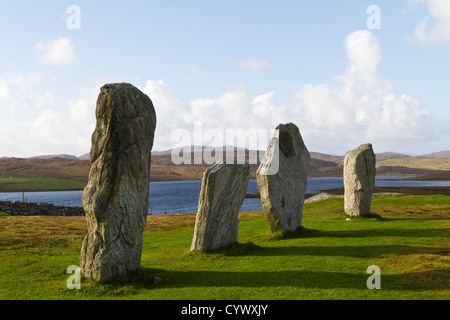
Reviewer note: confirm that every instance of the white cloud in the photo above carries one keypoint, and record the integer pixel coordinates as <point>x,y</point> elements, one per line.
<point>364,108</point>
<point>251,64</point>
<point>332,118</point>
<point>82,122</point>
<point>361,108</point>
<point>435,27</point>
<point>17,97</point>
<point>254,64</point>
<point>35,123</point>
<point>171,112</point>
<point>58,52</point>
<point>364,53</point>
<point>23,110</point>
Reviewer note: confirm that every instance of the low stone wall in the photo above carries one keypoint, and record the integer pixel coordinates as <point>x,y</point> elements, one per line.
<point>39,209</point>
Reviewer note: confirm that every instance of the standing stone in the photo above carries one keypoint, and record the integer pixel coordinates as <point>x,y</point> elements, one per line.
<point>282,178</point>
<point>116,197</point>
<point>359,180</point>
<point>223,191</point>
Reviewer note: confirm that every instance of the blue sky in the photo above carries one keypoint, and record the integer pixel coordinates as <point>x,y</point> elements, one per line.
<point>229,65</point>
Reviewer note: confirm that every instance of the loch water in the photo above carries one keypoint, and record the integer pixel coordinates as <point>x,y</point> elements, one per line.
<point>182,196</point>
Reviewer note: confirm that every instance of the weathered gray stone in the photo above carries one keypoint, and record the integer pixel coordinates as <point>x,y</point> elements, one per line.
<point>282,178</point>
<point>157,280</point>
<point>116,197</point>
<point>319,197</point>
<point>221,197</point>
<point>359,180</point>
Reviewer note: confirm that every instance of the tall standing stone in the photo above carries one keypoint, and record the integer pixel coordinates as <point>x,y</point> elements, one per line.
<point>223,191</point>
<point>115,199</point>
<point>359,180</point>
<point>282,178</point>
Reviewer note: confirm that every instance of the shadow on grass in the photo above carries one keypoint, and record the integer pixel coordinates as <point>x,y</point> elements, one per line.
<point>251,249</point>
<point>301,232</point>
<point>123,284</point>
<point>367,217</point>
<point>144,278</point>
<point>360,233</point>
<point>438,279</point>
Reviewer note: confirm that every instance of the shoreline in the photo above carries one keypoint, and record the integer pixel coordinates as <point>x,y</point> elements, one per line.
<point>335,191</point>
<point>43,190</point>
<point>431,190</point>
<point>61,210</point>
<point>406,190</point>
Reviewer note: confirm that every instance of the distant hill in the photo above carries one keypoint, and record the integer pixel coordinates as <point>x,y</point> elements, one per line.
<point>54,168</point>
<point>440,154</point>
<point>418,162</point>
<point>326,157</point>
<point>62,156</point>
<point>74,168</point>
<point>85,156</point>
<point>390,155</point>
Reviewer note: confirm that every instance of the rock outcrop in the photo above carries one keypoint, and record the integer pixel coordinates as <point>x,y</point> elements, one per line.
<point>319,197</point>
<point>282,178</point>
<point>359,180</point>
<point>116,197</point>
<point>223,191</point>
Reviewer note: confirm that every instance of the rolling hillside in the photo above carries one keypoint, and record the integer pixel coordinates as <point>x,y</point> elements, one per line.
<point>71,168</point>
<point>418,162</point>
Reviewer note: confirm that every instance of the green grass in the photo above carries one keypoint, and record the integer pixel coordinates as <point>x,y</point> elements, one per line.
<point>407,237</point>
<point>13,184</point>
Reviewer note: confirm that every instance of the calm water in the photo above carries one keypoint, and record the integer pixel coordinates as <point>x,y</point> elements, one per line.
<point>182,196</point>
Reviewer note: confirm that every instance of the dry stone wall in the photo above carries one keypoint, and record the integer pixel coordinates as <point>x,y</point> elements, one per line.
<point>39,209</point>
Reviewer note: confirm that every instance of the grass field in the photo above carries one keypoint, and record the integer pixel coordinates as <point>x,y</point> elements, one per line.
<point>326,259</point>
<point>17,184</point>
